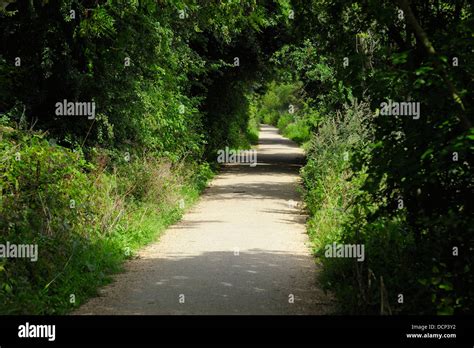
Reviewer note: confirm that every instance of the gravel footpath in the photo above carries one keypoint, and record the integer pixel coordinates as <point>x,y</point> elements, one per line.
<point>242,249</point>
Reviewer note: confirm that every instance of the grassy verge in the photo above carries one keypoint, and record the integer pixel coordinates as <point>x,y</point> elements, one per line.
<point>253,127</point>
<point>85,216</point>
<point>283,106</point>
<point>342,214</point>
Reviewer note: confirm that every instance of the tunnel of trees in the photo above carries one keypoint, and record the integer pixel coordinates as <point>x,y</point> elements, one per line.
<point>378,93</point>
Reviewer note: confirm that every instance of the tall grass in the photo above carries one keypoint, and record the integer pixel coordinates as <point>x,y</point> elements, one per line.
<point>339,208</point>
<point>283,105</point>
<point>86,216</point>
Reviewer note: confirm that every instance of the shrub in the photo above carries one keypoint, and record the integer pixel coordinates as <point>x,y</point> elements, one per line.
<point>86,219</point>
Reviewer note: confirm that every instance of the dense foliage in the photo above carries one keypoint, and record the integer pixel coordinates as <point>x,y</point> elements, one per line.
<point>167,90</point>
<point>399,184</point>
<point>174,81</point>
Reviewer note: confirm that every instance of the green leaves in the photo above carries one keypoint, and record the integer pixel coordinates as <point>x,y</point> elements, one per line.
<point>399,58</point>
<point>423,70</point>
<point>97,24</point>
<point>425,161</point>
<point>427,153</point>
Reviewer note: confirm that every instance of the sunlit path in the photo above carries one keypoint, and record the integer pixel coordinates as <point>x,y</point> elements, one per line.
<point>241,250</point>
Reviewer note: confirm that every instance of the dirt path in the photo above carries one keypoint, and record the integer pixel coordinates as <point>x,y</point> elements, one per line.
<point>241,250</point>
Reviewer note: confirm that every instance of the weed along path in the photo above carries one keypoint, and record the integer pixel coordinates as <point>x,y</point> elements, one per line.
<point>242,249</point>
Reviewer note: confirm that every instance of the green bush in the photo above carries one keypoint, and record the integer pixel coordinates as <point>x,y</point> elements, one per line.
<point>85,220</point>
<point>282,106</point>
